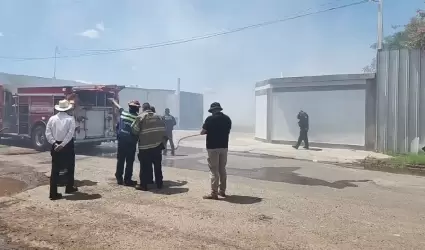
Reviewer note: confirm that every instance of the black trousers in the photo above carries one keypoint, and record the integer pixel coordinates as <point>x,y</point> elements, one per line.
<point>147,158</point>
<point>62,160</point>
<point>303,137</point>
<point>125,156</point>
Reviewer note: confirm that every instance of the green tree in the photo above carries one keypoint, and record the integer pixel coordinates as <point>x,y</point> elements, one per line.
<point>412,36</point>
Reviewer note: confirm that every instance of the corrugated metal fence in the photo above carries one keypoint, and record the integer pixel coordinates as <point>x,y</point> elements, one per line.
<point>400,101</point>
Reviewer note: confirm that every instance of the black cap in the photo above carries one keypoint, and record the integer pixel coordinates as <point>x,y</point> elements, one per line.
<point>146,106</point>
<point>215,106</point>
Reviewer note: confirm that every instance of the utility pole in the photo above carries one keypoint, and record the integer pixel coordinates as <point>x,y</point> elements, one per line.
<point>178,102</point>
<point>54,66</point>
<point>380,25</point>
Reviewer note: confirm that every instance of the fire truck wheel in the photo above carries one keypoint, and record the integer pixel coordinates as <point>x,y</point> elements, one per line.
<point>38,138</point>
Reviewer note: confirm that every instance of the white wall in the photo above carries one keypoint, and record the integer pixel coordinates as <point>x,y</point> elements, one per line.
<point>261,116</point>
<point>336,117</point>
<point>191,104</point>
<point>160,99</point>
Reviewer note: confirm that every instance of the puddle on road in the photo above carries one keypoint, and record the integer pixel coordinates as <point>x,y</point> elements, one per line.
<point>9,186</point>
<point>273,174</point>
<point>189,160</point>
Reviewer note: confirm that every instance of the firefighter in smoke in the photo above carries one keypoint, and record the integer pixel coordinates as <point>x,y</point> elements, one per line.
<point>150,129</point>
<point>127,143</point>
<point>304,126</point>
<point>170,122</point>
<point>60,131</point>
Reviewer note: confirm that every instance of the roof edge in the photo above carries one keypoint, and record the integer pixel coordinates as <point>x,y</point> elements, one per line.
<point>318,78</point>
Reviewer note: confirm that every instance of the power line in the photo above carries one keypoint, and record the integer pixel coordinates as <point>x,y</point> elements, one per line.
<point>218,33</point>
<point>181,41</point>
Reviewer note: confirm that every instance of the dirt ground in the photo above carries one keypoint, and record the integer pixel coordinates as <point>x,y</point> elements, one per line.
<point>14,178</point>
<point>273,204</point>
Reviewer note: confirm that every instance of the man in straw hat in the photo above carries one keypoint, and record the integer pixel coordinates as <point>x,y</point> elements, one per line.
<point>217,128</point>
<point>127,143</point>
<point>60,131</point>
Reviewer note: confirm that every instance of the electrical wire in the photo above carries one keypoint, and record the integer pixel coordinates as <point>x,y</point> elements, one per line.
<point>187,40</point>
<point>103,50</point>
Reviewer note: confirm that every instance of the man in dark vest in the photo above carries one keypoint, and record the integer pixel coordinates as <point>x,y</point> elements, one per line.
<point>150,129</point>
<point>127,143</point>
<point>304,126</point>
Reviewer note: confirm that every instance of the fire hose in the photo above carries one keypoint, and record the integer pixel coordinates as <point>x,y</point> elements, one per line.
<point>183,138</point>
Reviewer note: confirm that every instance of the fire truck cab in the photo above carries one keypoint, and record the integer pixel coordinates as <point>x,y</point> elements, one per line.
<point>24,115</point>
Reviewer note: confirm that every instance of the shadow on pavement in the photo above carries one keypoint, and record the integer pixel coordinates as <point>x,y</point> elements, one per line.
<point>171,187</point>
<point>242,199</point>
<point>177,183</point>
<point>78,196</point>
<point>85,183</point>
<point>169,191</point>
<point>287,175</point>
<point>315,149</point>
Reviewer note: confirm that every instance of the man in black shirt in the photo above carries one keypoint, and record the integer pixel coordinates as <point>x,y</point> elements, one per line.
<point>303,124</point>
<point>217,128</point>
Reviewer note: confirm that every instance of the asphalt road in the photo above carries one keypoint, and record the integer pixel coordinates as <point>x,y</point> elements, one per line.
<point>273,204</point>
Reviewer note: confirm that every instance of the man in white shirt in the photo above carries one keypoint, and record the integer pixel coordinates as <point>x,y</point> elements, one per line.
<point>60,131</point>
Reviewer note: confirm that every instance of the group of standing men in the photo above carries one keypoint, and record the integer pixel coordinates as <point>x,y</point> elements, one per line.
<point>147,130</point>
<point>150,132</point>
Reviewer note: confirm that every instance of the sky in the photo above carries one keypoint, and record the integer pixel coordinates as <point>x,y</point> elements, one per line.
<point>223,68</point>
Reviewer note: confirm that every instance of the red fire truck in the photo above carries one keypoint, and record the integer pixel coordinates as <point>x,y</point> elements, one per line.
<point>24,115</point>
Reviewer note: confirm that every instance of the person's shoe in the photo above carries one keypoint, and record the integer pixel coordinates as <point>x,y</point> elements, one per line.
<point>120,180</point>
<point>173,154</point>
<point>141,187</point>
<point>295,147</point>
<point>211,197</point>
<point>57,196</point>
<point>222,193</point>
<point>130,183</point>
<point>159,185</point>
<point>306,148</point>
<point>70,190</point>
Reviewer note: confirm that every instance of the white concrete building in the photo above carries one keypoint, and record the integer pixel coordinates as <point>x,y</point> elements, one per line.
<point>341,110</point>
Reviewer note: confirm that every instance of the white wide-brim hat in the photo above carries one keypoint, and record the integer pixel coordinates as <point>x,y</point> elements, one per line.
<point>63,105</point>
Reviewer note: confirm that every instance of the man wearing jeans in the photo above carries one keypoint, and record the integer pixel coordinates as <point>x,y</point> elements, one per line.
<point>217,128</point>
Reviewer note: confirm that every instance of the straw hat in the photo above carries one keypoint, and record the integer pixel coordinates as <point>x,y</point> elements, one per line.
<point>63,105</point>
